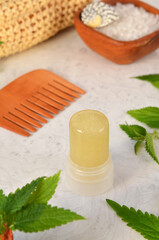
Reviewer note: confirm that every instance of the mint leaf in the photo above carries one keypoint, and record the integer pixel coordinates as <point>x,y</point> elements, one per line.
<point>149,146</point>
<point>137,146</point>
<point>148,115</point>
<point>147,225</point>
<point>45,189</point>
<point>14,202</point>
<point>39,217</point>
<point>135,132</point>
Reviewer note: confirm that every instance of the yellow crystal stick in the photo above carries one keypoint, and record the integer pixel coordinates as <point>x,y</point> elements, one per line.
<point>89,138</point>
<point>89,168</point>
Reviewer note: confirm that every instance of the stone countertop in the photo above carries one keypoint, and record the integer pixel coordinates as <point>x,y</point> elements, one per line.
<point>110,90</point>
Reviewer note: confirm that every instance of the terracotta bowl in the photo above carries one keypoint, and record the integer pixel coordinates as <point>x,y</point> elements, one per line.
<point>119,51</point>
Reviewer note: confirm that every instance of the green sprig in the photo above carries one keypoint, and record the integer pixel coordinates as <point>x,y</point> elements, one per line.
<point>139,134</point>
<point>28,210</point>
<point>149,116</point>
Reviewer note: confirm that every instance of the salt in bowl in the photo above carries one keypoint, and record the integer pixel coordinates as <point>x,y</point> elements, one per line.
<point>120,52</point>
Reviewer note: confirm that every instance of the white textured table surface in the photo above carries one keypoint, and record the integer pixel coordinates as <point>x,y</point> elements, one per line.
<point>110,90</point>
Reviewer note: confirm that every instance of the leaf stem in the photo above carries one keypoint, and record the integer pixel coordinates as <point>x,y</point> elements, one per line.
<point>155,134</point>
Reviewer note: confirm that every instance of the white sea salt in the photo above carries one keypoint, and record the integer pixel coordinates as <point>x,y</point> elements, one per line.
<point>134,22</point>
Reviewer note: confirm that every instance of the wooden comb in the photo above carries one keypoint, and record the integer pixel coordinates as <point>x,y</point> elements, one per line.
<point>26,102</point>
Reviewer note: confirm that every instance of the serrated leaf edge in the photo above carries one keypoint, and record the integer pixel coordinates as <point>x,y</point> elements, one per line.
<point>146,214</point>
<point>36,195</point>
<point>57,224</point>
<point>151,153</point>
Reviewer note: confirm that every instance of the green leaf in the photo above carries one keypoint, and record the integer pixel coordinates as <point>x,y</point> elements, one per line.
<point>1,42</point>
<point>45,189</point>
<point>2,225</point>
<point>137,146</point>
<point>2,200</point>
<point>39,217</point>
<point>147,225</point>
<point>27,215</point>
<point>148,115</point>
<point>135,132</point>
<point>2,195</point>
<point>156,84</point>
<point>14,202</point>
<point>150,78</point>
<point>149,146</point>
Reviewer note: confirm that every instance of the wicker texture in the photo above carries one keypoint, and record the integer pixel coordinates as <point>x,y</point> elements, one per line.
<point>24,23</point>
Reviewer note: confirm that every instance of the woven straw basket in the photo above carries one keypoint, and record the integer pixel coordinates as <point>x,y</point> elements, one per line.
<point>24,23</point>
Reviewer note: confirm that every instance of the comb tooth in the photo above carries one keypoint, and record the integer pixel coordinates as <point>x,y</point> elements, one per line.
<point>48,101</point>
<point>37,109</point>
<point>53,97</point>
<point>26,118</point>
<point>20,122</point>
<point>64,89</point>
<point>59,93</point>
<point>43,105</point>
<point>14,128</point>
<point>31,114</point>
<point>68,84</point>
